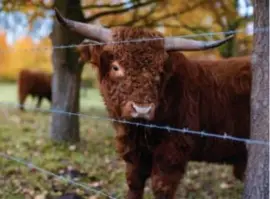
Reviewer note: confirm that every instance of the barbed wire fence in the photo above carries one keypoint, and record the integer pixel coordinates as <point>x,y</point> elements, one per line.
<point>86,187</point>
<point>8,155</point>
<point>169,129</point>
<point>166,128</point>
<point>210,34</point>
<point>30,165</point>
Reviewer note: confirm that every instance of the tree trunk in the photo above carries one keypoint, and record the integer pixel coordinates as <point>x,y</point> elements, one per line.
<point>67,75</point>
<point>257,175</point>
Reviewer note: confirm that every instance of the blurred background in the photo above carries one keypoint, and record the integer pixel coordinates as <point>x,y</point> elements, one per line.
<point>25,43</point>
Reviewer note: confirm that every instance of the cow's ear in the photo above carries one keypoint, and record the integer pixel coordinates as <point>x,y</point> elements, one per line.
<point>84,53</point>
<point>105,60</point>
<point>89,53</point>
<point>96,52</point>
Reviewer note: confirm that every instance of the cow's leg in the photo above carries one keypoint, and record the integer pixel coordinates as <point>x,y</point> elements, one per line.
<point>22,99</point>
<point>239,169</point>
<point>136,175</point>
<point>39,102</point>
<point>166,181</point>
<point>169,165</point>
<point>165,185</point>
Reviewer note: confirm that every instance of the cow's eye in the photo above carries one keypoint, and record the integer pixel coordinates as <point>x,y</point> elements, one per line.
<point>115,68</point>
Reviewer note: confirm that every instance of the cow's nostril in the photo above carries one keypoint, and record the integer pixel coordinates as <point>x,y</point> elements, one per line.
<point>141,109</point>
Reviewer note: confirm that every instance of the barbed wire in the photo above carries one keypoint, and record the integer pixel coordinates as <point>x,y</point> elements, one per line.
<point>60,178</point>
<point>225,135</point>
<point>257,30</point>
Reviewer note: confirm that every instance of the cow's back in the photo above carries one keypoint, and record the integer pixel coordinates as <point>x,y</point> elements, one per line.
<point>42,83</point>
<point>224,108</point>
<point>34,82</point>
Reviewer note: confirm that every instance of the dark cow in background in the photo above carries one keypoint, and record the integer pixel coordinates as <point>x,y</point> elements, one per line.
<point>34,83</point>
<point>148,82</point>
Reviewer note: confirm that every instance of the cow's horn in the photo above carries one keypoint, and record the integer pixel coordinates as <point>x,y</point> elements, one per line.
<point>177,44</point>
<point>87,30</point>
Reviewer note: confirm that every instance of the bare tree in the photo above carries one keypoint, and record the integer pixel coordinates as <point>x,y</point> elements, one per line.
<point>257,175</point>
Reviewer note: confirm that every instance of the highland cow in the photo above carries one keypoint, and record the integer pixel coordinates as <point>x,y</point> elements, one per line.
<point>34,83</point>
<point>149,82</point>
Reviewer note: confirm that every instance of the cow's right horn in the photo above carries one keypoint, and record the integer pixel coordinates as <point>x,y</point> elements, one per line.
<point>178,44</point>
<point>87,30</point>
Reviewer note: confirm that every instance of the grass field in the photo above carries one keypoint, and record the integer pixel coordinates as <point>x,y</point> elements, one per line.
<point>92,162</point>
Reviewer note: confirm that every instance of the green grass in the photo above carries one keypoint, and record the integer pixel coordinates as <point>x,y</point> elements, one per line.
<point>90,98</point>
<point>25,135</point>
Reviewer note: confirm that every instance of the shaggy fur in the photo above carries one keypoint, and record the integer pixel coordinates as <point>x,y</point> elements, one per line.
<point>34,83</point>
<point>200,95</point>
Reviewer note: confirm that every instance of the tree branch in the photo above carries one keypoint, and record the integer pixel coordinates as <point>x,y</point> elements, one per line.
<point>114,12</point>
<point>133,21</point>
<point>174,14</point>
<point>106,5</point>
<point>168,26</point>
<point>199,30</point>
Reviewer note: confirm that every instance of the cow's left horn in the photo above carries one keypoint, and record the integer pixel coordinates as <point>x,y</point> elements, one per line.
<point>87,30</point>
<point>177,44</point>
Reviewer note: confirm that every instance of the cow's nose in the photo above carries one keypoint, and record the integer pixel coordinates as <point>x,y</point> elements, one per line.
<point>141,109</point>
<point>144,111</point>
<point>135,110</point>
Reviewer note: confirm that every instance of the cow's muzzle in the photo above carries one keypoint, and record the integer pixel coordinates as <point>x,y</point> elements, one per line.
<point>135,110</point>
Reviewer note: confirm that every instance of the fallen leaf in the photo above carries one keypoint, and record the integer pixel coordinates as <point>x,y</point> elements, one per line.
<point>224,185</point>
<point>93,197</point>
<point>39,142</point>
<point>40,196</point>
<point>96,184</point>
<point>72,147</point>
<point>89,131</point>
<point>195,172</point>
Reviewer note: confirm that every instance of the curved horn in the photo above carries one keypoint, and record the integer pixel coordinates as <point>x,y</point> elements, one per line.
<point>177,44</point>
<point>87,30</point>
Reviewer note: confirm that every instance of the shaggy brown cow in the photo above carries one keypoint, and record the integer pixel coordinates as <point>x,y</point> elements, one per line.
<point>34,83</point>
<point>147,82</point>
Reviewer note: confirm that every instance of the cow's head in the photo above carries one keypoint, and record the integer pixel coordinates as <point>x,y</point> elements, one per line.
<point>132,73</point>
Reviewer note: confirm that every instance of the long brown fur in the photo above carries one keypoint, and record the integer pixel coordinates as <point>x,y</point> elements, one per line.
<point>209,95</point>
<point>35,83</point>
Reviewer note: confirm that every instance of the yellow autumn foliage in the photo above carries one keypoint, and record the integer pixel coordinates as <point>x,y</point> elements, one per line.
<point>205,16</point>
<point>23,54</point>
